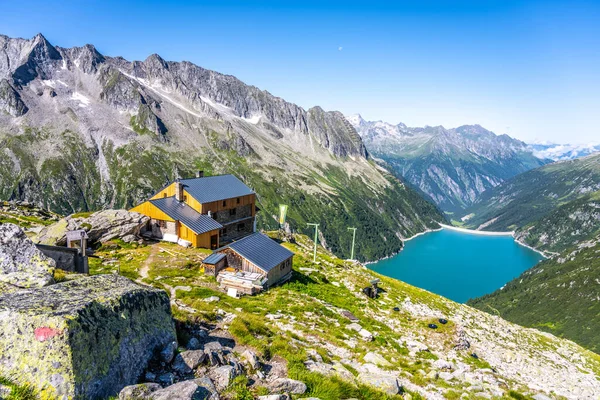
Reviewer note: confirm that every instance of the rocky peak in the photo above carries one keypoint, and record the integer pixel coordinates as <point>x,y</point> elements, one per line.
<point>86,58</point>
<point>37,57</point>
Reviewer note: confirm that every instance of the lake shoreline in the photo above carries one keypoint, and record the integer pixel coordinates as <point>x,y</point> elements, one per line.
<point>458,265</point>
<point>474,232</point>
<point>403,240</point>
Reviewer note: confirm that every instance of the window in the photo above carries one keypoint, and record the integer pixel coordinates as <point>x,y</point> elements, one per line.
<point>162,224</point>
<point>241,227</point>
<point>164,195</point>
<point>232,212</point>
<point>184,197</point>
<point>238,200</point>
<point>224,203</point>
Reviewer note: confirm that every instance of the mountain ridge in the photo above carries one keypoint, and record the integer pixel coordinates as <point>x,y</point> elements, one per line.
<point>83,131</point>
<point>452,166</point>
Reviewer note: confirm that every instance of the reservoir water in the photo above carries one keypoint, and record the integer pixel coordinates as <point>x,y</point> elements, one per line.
<point>458,265</point>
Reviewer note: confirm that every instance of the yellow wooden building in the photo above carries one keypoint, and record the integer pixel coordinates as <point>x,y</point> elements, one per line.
<point>202,212</point>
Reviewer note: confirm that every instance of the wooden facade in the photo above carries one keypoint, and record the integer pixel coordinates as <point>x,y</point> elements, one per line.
<point>223,211</point>
<point>274,276</point>
<point>206,240</point>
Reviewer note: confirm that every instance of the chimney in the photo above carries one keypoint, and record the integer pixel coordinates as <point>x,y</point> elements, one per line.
<point>178,191</point>
<point>200,174</point>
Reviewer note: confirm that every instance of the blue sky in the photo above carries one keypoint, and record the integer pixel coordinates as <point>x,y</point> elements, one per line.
<point>529,69</point>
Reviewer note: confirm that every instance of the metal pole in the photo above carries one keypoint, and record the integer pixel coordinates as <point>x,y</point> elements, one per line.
<point>316,230</point>
<point>353,239</point>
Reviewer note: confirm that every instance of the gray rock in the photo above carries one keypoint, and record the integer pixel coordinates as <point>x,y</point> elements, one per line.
<point>541,396</point>
<point>138,392</point>
<point>102,330</point>
<point>286,385</point>
<point>4,391</point>
<point>187,390</point>
<point>188,361</point>
<point>168,352</point>
<point>150,377</point>
<point>21,263</point>
<point>100,226</point>
<point>385,383</point>
<point>447,376</point>
<point>222,376</point>
<point>274,397</point>
<point>193,344</point>
<point>10,100</point>
<point>166,379</point>
<point>377,359</point>
<point>443,364</point>
<point>215,353</point>
<point>252,358</point>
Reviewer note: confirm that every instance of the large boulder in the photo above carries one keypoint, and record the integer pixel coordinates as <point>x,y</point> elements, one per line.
<point>385,383</point>
<point>286,385</point>
<point>195,389</point>
<point>86,338</point>
<point>100,226</point>
<point>21,263</point>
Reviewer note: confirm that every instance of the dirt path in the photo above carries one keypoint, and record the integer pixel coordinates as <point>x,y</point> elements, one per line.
<point>143,271</point>
<point>146,265</point>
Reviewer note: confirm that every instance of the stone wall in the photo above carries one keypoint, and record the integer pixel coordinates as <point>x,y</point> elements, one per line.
<point>83,339</point>
<point>67,259</point>
<point>235,231</point>
<point>226,216</point>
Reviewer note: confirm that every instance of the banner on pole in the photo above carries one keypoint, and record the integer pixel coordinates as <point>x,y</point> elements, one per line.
<point>282,213</point>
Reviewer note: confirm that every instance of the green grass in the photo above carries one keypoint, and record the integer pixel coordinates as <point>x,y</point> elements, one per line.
<point>556,297</point>
<point>18,391</point>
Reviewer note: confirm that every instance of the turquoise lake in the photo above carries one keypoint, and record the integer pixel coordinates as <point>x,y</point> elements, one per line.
<point>458,265</point>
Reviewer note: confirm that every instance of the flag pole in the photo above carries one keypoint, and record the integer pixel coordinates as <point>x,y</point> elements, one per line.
<point>353,240</point>
<point>316,231</point>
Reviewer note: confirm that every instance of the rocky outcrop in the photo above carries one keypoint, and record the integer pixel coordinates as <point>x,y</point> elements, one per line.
<point>21,263</point>
<point>10,100</point>
<point>86,338</point>
<point>100,226</point>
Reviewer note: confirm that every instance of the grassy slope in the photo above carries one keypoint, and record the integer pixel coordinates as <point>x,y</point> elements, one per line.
<point>70,182</point>
<point>556,209</point>
<point>559,296</point>
<point>312,319</point>
<point>534,194</point>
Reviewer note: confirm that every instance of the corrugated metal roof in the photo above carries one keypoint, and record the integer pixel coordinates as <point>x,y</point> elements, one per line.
<point>213,258</point>
<point>215,188</point>
<point>261,251</point>
<point>179,211</point>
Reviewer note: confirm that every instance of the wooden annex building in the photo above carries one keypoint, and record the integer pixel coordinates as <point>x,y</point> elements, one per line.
<point>202,211</point>
<point>251,264</point>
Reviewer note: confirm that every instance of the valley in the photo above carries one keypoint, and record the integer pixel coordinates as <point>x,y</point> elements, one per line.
<point>458,315</point>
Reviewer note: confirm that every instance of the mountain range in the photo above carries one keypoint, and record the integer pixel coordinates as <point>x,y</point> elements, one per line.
<point>559,152</point>
<point>452,166</point>
<point>83,131</point>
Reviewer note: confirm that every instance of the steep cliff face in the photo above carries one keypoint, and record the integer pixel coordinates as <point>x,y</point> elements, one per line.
<point>82,131</point>
<point>452,166</point>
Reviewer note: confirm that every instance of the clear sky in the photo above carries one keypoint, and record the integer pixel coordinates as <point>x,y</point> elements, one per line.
<point>529,69</point>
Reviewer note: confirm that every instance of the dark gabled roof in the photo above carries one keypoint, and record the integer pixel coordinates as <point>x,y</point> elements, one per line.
<point>179,211</point>
<point>213,258</point>
<point>215,188</point>
<point>261,251</point>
